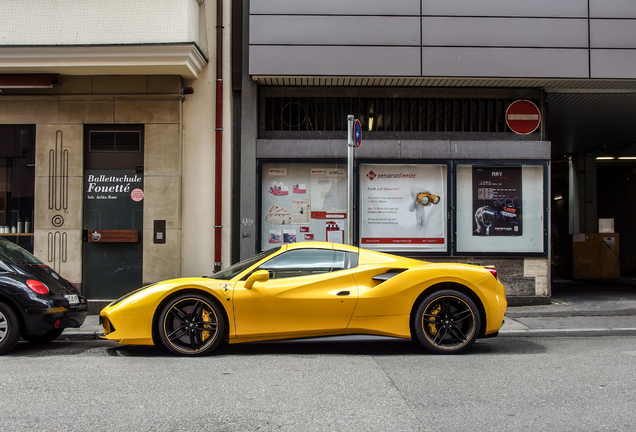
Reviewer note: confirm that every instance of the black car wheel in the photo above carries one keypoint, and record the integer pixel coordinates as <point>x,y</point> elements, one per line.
<point>191,324</point>
<point>447,322</point>
<point>9,328</point>
<point>45,338</point>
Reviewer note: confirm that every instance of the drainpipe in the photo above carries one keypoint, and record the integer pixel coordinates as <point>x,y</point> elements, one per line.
<point>218,138</point>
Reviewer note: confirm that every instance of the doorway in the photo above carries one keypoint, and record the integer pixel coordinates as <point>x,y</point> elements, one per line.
<point>113,210</point>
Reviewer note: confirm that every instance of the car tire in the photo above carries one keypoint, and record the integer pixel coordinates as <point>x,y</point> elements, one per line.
<point>45,338</point>
<point>447,322</point>
<point>192,325</point>
<point>9,328</point>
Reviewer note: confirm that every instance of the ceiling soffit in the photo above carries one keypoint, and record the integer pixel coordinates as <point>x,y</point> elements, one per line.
<point>583,115</point>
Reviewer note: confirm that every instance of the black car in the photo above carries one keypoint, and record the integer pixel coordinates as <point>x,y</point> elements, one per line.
<point>36,303</point>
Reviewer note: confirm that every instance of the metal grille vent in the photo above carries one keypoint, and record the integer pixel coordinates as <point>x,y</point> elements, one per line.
<point>397,114</point>
<point>111,141</point>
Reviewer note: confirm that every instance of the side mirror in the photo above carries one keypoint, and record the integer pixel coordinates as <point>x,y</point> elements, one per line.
<point>257,276</point>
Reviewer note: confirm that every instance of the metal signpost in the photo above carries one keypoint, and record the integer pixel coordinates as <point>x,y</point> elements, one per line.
<point>354,139</point>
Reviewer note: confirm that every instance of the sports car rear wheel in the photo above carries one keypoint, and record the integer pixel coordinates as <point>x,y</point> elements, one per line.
<point>9,328</point>
<point>447,322</point>
<point>191,324</point>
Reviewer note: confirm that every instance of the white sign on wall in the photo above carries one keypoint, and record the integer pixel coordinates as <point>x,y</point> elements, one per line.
<point>403,207</point>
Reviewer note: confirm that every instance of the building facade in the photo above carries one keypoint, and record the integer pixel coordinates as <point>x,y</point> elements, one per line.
<point>116,151</point>
<point>146,140</point>
<point>431,84</point>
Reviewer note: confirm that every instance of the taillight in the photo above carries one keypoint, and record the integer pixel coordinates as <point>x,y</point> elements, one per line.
<point>492,270</point>
<point>37,286</point>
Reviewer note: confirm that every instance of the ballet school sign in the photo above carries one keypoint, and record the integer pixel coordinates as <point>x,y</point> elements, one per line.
<point>113,185</point>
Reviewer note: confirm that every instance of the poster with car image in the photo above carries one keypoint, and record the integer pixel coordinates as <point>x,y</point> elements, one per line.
<point>497,202</point>
<point>403,207</point>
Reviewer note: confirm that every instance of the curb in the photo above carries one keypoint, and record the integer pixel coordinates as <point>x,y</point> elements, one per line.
<point>618,331</point>
<point>80,336</point>
<point>565,314</point>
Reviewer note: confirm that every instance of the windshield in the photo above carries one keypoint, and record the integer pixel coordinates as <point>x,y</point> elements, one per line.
<point>16,254</point>
<point>237,268</point>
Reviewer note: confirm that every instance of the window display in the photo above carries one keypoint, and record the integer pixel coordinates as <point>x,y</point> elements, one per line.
<point>403,207</point>
<point>303,202</point>
<point>500,208</point>
<point>17,184</point>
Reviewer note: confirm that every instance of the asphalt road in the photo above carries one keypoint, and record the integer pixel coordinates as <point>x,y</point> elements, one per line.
<point>507,383</point>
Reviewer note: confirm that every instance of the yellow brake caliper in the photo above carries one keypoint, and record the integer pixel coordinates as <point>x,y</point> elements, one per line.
<point>205,316</point>
<point>431,327</point>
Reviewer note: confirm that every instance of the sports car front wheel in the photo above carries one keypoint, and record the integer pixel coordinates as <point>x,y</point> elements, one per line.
<point>191,324</point>
<point>447,322</point>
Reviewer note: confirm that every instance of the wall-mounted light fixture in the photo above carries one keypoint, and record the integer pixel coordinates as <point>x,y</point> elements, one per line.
<point>187,90</point>
<point>615,158</point>
<point>558,197</point>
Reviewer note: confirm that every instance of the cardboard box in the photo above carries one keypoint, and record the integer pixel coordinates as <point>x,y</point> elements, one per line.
<point>595,256</point>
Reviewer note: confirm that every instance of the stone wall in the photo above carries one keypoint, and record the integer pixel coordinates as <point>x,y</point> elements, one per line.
<point>59,115</point>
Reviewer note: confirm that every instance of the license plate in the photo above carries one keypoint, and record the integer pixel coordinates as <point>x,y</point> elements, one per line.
<point>73,299</point>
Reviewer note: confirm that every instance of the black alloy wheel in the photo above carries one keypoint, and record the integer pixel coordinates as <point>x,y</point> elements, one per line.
<point>192,325</point>
<point>45,338</point>
<point>9,328</point>
<point>447,322</point>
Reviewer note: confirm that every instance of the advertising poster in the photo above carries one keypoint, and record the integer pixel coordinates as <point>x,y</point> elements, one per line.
<point>497,201</point>
<point>403,207</point>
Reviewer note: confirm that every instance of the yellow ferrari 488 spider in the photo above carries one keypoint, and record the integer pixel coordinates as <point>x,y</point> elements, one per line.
<point>314,289</point>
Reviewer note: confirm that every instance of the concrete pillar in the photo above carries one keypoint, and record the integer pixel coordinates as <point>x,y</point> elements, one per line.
<point>583,194</point>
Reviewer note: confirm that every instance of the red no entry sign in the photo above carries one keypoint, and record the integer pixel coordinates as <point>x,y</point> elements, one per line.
<point>523,117</point>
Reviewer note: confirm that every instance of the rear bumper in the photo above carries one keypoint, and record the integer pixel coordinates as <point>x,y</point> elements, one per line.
<point>39,321</point>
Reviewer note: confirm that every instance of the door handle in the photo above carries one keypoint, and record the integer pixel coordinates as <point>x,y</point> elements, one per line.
<point>343,293</point>
<point>112,236</point>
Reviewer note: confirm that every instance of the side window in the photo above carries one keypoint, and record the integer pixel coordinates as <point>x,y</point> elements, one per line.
<point>305,262</point>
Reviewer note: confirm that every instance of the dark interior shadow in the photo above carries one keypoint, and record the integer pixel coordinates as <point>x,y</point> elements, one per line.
<point>351,345</point>
<point>362,347</point>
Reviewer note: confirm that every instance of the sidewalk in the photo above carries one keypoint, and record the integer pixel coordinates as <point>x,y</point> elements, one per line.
<point>578,307</point>
<point>600,307</point>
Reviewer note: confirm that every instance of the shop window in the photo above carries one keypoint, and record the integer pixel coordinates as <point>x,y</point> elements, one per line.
<point>17,183</point>
<point>501,208</point>
<point>303,202</point>
<point>404,207</point>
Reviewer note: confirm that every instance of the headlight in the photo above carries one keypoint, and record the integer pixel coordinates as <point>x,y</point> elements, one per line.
<point>125,296</point>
